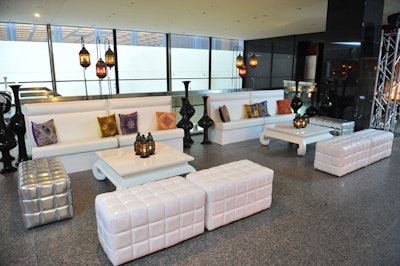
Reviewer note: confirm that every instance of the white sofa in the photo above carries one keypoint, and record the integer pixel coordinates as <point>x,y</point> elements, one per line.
<point>78,132</point>
<point>241,128</point>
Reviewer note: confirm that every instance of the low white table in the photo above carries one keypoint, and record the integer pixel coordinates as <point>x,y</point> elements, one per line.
<point>302,136</point>
<point>125,169</point>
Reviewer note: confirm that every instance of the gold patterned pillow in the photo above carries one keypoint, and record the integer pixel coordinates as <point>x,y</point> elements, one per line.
<point>166,120</point>
<point>108,126</point>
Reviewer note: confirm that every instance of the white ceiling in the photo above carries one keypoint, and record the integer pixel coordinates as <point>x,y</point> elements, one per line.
<point>232,19</point>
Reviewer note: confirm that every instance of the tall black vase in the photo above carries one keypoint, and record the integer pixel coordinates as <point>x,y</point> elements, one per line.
<point>7,140</point>
<point>187,111</point>
<point>17,125</point>
<point>296,101</point>
<point>205,122</point>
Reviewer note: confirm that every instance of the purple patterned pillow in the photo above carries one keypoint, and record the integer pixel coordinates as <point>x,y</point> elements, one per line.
<point>128,123</point>
<point>45,133</point>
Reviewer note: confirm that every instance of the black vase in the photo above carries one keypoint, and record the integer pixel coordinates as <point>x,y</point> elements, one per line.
<point>7,141</point>
<point>205,122</point>
<point>187,111</point>
<point>296,102</point>
<point>17,125</point>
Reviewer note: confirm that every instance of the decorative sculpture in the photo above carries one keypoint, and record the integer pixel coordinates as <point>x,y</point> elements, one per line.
<point>17,125</point>
<point>205,122</point>
<point>187,111</point>
<point>7,139</point>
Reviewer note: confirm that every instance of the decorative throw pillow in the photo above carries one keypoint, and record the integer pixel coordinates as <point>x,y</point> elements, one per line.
<point>224,114</point>
<point>251,110</point>
<point>108,126</point>
<point>263,109</point>
<point>128,123</point>
<point>283,106</point>
<point>166,120</point>
<point>45,133</point>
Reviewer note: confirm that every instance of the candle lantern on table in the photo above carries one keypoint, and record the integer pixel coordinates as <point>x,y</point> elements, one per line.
<point>136,144</point>
<point>144,148</point>
<point>297,121</point>
<point>151,143</point>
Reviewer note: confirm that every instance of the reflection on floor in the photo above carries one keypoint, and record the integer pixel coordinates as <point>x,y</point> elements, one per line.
<point>315,218</point>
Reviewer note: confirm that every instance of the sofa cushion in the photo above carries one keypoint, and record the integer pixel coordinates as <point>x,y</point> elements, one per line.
<point>158,135</point>
<point>108,126</point>
<point>283,106</point>
<point>44,133</point>
<point>74,147</point>
<point>128,123</point>
<point>166,120</point>
<point>224,113</point>
<point>251,110</point>
<point>263,109</point>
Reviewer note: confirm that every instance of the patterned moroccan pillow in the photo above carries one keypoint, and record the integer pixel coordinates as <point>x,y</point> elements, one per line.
<point>128,123</point>
<point>44,133</point>
<point>263,109</point>
<point>224,114</point>
<point>166,120</point>
<point>251,110</point>
<point>283,106</point>
<point>108,126</point>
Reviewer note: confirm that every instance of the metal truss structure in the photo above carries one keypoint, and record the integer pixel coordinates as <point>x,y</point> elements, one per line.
<point>386,101</point>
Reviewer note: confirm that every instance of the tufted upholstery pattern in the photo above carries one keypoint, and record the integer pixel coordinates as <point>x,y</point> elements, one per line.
<point>139,220</point>
<point>233,191</point>
<point>44,190</point>
<point>344,154</point>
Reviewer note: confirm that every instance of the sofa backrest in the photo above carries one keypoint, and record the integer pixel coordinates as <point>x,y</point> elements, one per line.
<point>73,120</point>
<point>271,96</point>
<point>234,102</point>
<point>145,106</point>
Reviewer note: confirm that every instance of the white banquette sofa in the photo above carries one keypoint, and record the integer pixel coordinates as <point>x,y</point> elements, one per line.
<point>78,131</point>
<point>241,128</point>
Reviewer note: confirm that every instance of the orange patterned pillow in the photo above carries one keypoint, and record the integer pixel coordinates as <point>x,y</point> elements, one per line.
<point>283,106</point>
<point>166,120</point>
<point>108,126</point>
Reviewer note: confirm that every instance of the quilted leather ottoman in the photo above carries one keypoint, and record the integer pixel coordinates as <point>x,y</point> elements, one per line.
<point>44,190</point>
<point>344,154</point>
<point>233,191</point>
<point>143,219</point>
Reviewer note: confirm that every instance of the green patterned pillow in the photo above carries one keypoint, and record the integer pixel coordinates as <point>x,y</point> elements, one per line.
<point>251,110</point>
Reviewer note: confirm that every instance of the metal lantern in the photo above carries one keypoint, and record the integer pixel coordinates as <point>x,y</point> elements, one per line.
<point>239,61</point>
<point>242,71</point>
<point>84,55</point>
<point>101,69</point>
<point>110,58</point>
<point>152,144</point>
<point>144,148</point>
<point>253,61</point>
<point>137,144</point>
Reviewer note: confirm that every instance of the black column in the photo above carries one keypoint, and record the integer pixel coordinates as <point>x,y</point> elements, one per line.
<point>351,51</point>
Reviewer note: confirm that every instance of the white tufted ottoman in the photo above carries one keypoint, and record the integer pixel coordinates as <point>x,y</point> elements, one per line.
<point>344,154</point>
<point>142,219</point>
<point>44,191</point>
<point>233,191</point>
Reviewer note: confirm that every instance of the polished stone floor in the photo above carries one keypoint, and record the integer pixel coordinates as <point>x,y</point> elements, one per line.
<point>315,218</point>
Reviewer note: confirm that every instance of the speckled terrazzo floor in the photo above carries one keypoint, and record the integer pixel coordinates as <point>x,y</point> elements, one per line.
<point>315,218</point>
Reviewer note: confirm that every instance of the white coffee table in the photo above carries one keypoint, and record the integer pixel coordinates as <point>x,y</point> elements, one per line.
<point>302,136</point>
<point>125,169</point>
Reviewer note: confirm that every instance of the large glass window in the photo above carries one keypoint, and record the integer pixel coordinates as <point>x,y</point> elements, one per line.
<point>142,62</point>
<point>24,55</point>
<point>189,61</point>
<point>69,74</point>
<point>223,64</point>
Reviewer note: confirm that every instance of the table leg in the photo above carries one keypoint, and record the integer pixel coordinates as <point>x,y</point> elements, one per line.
<point>96,170</point>
<point>263,139</point>
<point>301,151</point>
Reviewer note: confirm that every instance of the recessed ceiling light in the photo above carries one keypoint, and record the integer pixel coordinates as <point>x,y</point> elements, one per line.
<point>37,15</point>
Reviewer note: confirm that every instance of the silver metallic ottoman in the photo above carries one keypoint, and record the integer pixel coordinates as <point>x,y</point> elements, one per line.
<point>44,190</point>
<point>339,126</point>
